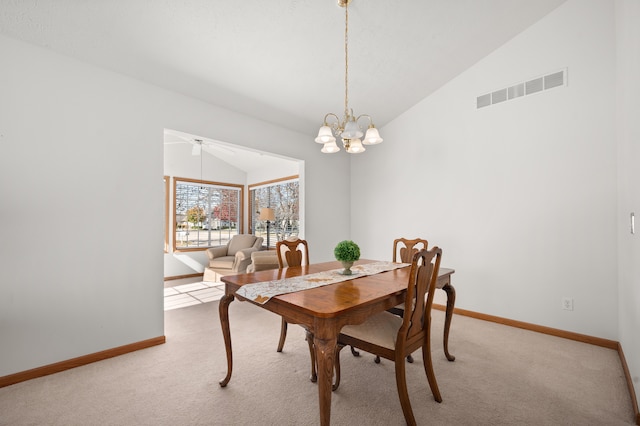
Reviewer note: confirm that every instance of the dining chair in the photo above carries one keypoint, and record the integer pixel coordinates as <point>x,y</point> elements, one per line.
<point>393,337</point>
<point>403,252</point>
<point>295,252</point>
<point>404,249</point>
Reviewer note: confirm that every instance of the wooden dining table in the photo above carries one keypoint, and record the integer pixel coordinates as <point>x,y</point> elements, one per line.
<point>325,310</point>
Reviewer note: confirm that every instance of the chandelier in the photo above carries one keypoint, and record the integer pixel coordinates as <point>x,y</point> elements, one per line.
<point>347,128</point>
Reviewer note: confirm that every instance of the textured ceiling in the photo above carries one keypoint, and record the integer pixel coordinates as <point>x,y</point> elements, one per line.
<point>281,61</point>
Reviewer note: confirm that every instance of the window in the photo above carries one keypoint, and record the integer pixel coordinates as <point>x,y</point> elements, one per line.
<point>283,196</point>
<point>207,214</point>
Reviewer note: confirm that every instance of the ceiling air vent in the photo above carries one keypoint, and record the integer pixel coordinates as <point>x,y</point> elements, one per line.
<point>529,87</point>
<point>533,86</point>
<point>484,100</point>
<point>499,96</point>
<point>516,91</point>
<point>553,80</point>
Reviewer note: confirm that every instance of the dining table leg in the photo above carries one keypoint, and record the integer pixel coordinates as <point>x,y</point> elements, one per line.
<point>325,355</point>
<point>451,300</point>
<point>226,333</point>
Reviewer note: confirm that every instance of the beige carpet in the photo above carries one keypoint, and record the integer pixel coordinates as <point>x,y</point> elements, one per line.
<point>501,376</point>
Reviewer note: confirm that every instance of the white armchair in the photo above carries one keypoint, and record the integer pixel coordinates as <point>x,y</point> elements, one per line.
<point>232,258</point>
<point>262,260</point>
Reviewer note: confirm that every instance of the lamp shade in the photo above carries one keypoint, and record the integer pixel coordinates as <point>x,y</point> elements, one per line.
<point>372,137</point>
<point>355,147</point>
<point>325,135</point>
<point>351,130</point>
<point>267,213</point>
<point>330,147</point>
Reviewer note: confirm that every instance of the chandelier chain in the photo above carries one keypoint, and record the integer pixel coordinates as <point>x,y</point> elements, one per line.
<point>349,127</point>
<point>346,60</point>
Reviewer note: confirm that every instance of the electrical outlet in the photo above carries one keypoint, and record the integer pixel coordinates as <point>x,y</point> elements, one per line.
<point>567,304</point>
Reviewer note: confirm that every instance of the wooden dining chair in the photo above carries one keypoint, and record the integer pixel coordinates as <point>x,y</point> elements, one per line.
<point>393,337</point>
<point>291,252</point>
<point>403,252</point>
<point>404,249</point>
<point>295,252</point>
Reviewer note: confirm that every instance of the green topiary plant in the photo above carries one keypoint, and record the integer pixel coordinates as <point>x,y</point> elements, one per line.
<point>347,251</point>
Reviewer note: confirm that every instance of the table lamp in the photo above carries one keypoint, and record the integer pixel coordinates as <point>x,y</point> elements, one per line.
<point>267,214</point>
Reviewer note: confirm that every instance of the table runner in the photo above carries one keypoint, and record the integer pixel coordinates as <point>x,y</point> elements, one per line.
<point>263,291</point>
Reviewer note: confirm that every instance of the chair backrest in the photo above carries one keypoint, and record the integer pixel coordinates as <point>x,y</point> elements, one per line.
<point>422,285</point>
<point>292,252</point>
<point>404,249</point>
<point>243,241</point>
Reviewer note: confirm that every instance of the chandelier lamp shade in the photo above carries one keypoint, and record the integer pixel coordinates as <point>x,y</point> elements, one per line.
<point>348,128</point>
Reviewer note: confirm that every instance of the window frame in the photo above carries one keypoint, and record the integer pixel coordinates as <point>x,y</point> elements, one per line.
<point>223,185</point>
<point>270,183</point>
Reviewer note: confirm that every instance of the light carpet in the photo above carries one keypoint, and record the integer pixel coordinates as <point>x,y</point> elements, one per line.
<point>501,376</point>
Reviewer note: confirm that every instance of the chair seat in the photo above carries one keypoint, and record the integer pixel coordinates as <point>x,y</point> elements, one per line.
<point>225,262</point>
<point>380,329</point>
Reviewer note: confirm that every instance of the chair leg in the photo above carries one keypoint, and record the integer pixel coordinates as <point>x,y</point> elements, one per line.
<point>312,353</point>
<point>428,368</point>
<point>337,366</point>
<point>354,352</point>
<point>401,384</point>
<point>283,335</point>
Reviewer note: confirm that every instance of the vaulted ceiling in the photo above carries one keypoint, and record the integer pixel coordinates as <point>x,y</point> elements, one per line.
<point>281,61</point>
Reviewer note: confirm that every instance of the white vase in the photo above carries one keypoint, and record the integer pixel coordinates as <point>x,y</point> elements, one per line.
<point>347,268</point>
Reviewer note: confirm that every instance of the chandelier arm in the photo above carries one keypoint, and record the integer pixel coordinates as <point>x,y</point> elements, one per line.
<point>368,117</point>
<point>330,114</point>
<point>337,127</point>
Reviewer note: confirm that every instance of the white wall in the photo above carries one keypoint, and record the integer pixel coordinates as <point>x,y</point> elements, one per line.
<point>628,107</point>
<point>81,159</point>
<point>520,195</point>
<point>285,169</point>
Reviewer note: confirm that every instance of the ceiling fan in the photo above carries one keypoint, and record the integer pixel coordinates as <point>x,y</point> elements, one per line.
<point>197,147</point>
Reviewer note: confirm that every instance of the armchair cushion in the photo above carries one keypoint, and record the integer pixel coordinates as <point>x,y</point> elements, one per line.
<point>239,242</point>
<point>224,262</point>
